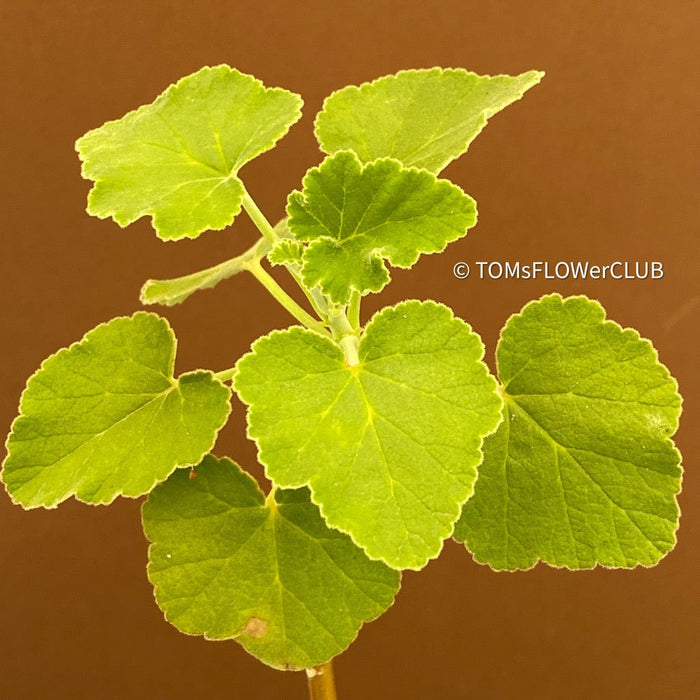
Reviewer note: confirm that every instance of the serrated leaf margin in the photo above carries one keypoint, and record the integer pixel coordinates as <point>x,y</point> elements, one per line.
<point>300,483</point>
<point>68,348</point>
<point>604,320</point>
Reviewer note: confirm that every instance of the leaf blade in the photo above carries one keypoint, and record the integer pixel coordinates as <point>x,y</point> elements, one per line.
<point>389,447</point>
<point>424,118</point>
<point>357,217</point>
<point>226,563</point>
<point>582,471</point>
<point>105,417</point>
<point>177,158</point>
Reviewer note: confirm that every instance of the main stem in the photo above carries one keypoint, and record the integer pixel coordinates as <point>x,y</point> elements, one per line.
<point>321,682</point>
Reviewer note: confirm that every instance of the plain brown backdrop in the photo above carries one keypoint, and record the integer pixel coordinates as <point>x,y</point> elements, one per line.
<point>600,162</point>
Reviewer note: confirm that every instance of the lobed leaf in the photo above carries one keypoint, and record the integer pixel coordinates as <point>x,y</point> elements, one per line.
<point>226,563</point>
<point>105,417</point>
<point>286,251</point>
<point>356,216</point>
<point>423,118</point>
<point>177,159</point>
<point>582,470</point>
<point>389,447</point>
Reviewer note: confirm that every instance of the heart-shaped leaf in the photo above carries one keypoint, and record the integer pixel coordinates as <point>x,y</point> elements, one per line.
<point>582,470</point>
<point>389,447</point>
<point>228,563</point>
<point>105,417</point>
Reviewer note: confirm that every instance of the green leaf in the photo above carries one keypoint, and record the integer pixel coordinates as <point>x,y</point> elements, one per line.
<point>285,251</point>
<point>226,563</point>
<point>175,291</point>
<point>423,118</point>
<point>177,159</point>
<point>105,417</point>
<point>582,470</point>
<point>357,216</point>
<point>389,447</point>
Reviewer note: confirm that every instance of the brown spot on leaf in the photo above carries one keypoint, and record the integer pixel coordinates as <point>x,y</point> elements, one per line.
<point>193,474</point>
<point>255,627</point>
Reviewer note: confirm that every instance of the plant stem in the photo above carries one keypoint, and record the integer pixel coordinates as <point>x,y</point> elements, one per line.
<point>345,335</point>
<point>321,682</point>
<point>315,297</point>
<point>258,218</point>
<point>354,309</point>
<point>344,332</point>
<point>271,236</point>
<point>284,299</point>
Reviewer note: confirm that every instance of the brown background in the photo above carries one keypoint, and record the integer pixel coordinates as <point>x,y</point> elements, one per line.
<point>599,163</point>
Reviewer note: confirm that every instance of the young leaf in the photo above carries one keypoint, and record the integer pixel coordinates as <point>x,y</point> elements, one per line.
<point>285,251</point>
<point>582,470</point>
<point>225,563</point>
<point>357,216</point>
<point>423,118</point>
<point>389,447</point>
<point>177,159</point>
<point>175,291</point>
<point>105,417</point>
